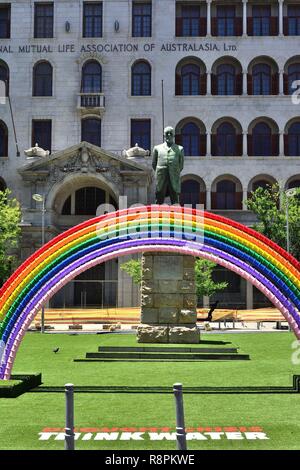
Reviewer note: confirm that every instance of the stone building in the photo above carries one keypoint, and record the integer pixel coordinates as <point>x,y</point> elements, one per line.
<point>85,81</point>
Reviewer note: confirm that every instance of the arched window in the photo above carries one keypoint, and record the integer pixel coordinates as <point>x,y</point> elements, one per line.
<point>141,79</point>
<point>42,79</point>
<point>226,191</point>
<point>293,139</point>
<point>91,77</point>
<point>262,140</point>
<point>190,139</point>
<point>91,131</point>
<point>262,78</point>
<point>226,79</point>
<point>294,184</point>
<point>264,184</point>
<point>3,140</point>
<point>85,201</point>
<point>88,199</point>
<point>226,140</point>
<point>2,185</point>
<point>4,77</point>
<point>293,75</point>
<point>191,193</point>
<point>190,79</point>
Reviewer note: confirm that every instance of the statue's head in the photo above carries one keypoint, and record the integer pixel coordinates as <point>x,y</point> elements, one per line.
<point>169,134</point>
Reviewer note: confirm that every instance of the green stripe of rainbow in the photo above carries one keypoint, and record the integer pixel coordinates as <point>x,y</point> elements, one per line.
<point>154,228</point>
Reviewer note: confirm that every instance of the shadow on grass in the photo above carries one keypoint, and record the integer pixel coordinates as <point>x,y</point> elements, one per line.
<point>295,388</point>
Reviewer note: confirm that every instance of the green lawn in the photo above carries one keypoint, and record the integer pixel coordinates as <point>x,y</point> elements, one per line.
<point>278,414</point>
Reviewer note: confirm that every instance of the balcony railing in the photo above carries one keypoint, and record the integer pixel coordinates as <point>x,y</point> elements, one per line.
<point>91,101</point>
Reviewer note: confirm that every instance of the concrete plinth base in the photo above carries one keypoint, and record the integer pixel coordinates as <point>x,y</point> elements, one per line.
<point>168,300</point>
<point>168,334</point>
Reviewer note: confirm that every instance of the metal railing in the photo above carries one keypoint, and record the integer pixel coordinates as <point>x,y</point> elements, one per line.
<point>91,100</point>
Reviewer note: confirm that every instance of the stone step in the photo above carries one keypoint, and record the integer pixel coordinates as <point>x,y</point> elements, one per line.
<point>166,356</point>
<point>168,349</point>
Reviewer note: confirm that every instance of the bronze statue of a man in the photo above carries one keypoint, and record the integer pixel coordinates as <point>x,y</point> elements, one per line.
<point>167,163</point>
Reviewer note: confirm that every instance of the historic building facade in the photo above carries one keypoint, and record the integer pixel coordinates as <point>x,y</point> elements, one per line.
<point>84,80</point>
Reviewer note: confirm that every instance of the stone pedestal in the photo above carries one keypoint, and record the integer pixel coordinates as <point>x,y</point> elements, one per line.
<point>168,299</point>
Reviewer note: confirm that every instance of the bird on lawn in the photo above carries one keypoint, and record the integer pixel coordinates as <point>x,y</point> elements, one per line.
<point>55,350</point>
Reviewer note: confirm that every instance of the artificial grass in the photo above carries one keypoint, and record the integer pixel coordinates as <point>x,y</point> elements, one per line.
<point>278,414</point>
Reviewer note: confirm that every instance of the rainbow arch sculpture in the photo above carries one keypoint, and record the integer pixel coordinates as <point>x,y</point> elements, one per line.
<point>153,228</point>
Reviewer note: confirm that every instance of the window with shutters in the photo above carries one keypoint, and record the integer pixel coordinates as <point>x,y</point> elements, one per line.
<point>91,131</point>
<point>3,139</point>
<point>292,22</point>
<point>91,77</point>
<point>43,20</point>
<point>226,20</point>
<point>141,19</point>
<point>141,79</point>
<point>4,76</point>
<point>190,21</point>
<point>5,21</point>
<point>294,140</point>
<point>141,133</point>
<point>293,75</point>
<point>262,140</point>
<point>42,133</point>
<point>92,19</point>
<point>42,79</point>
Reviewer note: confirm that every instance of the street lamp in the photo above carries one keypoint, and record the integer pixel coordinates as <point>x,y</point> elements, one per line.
<point>40,198</point>
<point>289,193</point>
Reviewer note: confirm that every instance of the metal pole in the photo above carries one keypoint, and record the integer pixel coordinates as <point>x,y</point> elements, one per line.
<point>43,243</point>
<point>163,107</point>
<point>13,122</point>
<point>43,320</point>
<point>43,221</point>
<point>180,427</point>
<point>69,429</point>
<point>287,226</point>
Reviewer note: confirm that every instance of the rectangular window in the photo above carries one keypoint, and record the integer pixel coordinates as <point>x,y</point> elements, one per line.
<point>294,20</point>
<point>4,21</point>
<point>226,20</point>
<point>43,20</point>
<point>190,15</point>
<point>261,20</point>
<point>141,19</point>
<point>92,19</point>
<point>42,133</point>
<point>141,133</point>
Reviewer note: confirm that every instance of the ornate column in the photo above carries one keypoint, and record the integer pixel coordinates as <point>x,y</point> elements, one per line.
<point>208,197</point>
<point>245,197</point>
<point>281,90</point>
<point>280,19</point>
<point>245,17</point>
<point>208,17</point>
<point>245,88</point>
<point>208,85</point>
<point>208,144</point>
<point>281,143</point>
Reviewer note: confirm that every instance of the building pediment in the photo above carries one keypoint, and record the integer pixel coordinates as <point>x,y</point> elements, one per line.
<point>81,159</point>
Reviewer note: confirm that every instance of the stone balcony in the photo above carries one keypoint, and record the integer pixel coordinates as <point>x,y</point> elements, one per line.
<point>88,103</point>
